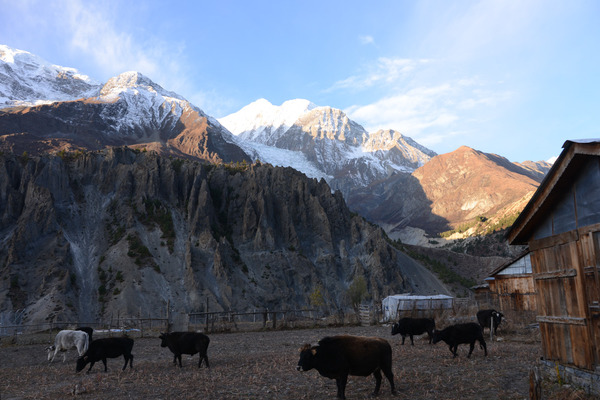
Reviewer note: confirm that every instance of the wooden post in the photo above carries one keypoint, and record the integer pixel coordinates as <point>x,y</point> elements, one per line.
<point>535,384</point>
<point>492,328</point>
<point>141,323</point>
<point>206,318</point>
<point>168,315</point>
<point>275,320</point>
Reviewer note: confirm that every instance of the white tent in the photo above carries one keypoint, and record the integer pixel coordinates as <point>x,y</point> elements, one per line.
<point>392,306</point>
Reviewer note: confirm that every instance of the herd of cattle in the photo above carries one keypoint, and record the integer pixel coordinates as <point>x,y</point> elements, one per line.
<point>91,351</point>
<point>334,357</point>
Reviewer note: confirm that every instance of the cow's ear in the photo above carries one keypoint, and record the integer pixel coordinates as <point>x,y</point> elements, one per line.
<point>305,347</point>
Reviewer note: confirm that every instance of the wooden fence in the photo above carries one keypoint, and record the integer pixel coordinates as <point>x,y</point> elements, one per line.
<point>249,320</point>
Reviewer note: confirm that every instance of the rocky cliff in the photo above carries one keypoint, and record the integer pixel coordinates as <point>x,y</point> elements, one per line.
<point>84,235</point>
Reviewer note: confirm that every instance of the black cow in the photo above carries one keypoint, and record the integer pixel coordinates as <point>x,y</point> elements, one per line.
<point>87,330</point>
<point>336,357</point>
<point>101,349</point>
<point>186,343</point>
<point>459,334</point>
<point>485,318</point>
<point>413,326</point>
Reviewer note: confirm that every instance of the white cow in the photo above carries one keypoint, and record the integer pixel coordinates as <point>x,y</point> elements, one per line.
<point>66,340</point>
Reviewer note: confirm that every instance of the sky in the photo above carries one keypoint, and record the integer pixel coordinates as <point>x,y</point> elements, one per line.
<point>511,77</point>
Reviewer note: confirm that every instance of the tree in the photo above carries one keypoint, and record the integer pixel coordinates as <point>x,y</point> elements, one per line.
<point>316,297</point>
<point>357,292</point>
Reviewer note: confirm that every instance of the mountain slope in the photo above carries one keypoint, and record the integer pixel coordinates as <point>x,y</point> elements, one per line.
<point>26,79</point>
<point>467,183</point>
<point>89,234</point>
<point>330,144</point>
<point>54,112</point>
<point>450,190</point>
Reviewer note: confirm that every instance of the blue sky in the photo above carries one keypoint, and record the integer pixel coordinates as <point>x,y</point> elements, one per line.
<point>511,77</point>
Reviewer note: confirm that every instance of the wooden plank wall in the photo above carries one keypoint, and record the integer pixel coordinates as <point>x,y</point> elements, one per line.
<point>590,246</point>
<point>515,292</point>
<point>558,271</point>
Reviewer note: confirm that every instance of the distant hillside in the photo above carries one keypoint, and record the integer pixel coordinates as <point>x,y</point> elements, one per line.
<point>451,190</point>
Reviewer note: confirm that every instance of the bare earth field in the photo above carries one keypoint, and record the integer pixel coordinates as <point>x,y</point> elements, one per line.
<point>262,365</point>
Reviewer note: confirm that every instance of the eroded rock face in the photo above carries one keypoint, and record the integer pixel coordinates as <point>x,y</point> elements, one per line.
<point>121,231</point>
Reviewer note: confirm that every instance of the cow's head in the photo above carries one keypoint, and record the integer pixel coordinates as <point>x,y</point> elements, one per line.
<point>50,349</point>
<point>436,336</point>
<point>163,339</point>
<point>82,362</point>
<point>307,357</point>
<point>497,317</point>
<point>395,328</point>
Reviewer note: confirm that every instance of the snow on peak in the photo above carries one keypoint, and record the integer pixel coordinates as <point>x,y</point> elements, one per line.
<point>297,106</point>
<point>8,54</point>
<point>27,62</point>
<point>261,113</point>
<point>133,81</point>
<point>27,79</point>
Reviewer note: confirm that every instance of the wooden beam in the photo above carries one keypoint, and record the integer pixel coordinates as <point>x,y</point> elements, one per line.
<point>561,273</point>
<point>562,320</point>
<point>554,240</point>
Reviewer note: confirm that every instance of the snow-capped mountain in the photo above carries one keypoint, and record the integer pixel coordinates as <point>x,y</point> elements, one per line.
<point>48,107</point>
<point>263,122</point>
<point>26,79</point>
<point>329,144</point>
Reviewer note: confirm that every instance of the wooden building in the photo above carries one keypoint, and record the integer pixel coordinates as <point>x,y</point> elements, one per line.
<point>511,286</point>
<point>561,226</point>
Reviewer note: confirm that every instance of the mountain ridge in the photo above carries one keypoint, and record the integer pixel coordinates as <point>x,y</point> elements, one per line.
<point>88,234</point>
<point>320,141</point>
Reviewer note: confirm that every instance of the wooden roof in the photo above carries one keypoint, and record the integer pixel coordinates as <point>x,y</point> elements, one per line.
<point>559,178</point>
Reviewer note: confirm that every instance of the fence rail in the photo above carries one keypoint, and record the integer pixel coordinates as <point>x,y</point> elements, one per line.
<point>217,320</point>
<point>120,325</point>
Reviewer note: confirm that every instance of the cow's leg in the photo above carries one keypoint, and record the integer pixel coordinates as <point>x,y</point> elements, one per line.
<point>179,358</point>
<point>104,362</point>
<point>54,355</point>
<point>471,347</point>
<point>341,386</point>
<point>390,377</point>
<point>482,344</point>
<point>126,357</point>
<point>411,339</point>
<point>377,375</point>
<point>206,360</point>
<point>403,338</point>
<point>91,365</point>
<point>430,334</point>
<point>453,350</point>
<point>174,359</point>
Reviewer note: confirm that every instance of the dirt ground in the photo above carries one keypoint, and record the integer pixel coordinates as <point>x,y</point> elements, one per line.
<point>262,365</point>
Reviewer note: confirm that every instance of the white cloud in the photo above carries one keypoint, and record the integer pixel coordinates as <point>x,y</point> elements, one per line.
<point>429,113</point>
<point>367,39</point>
<point>383,72</point>
<point>93,30</point>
